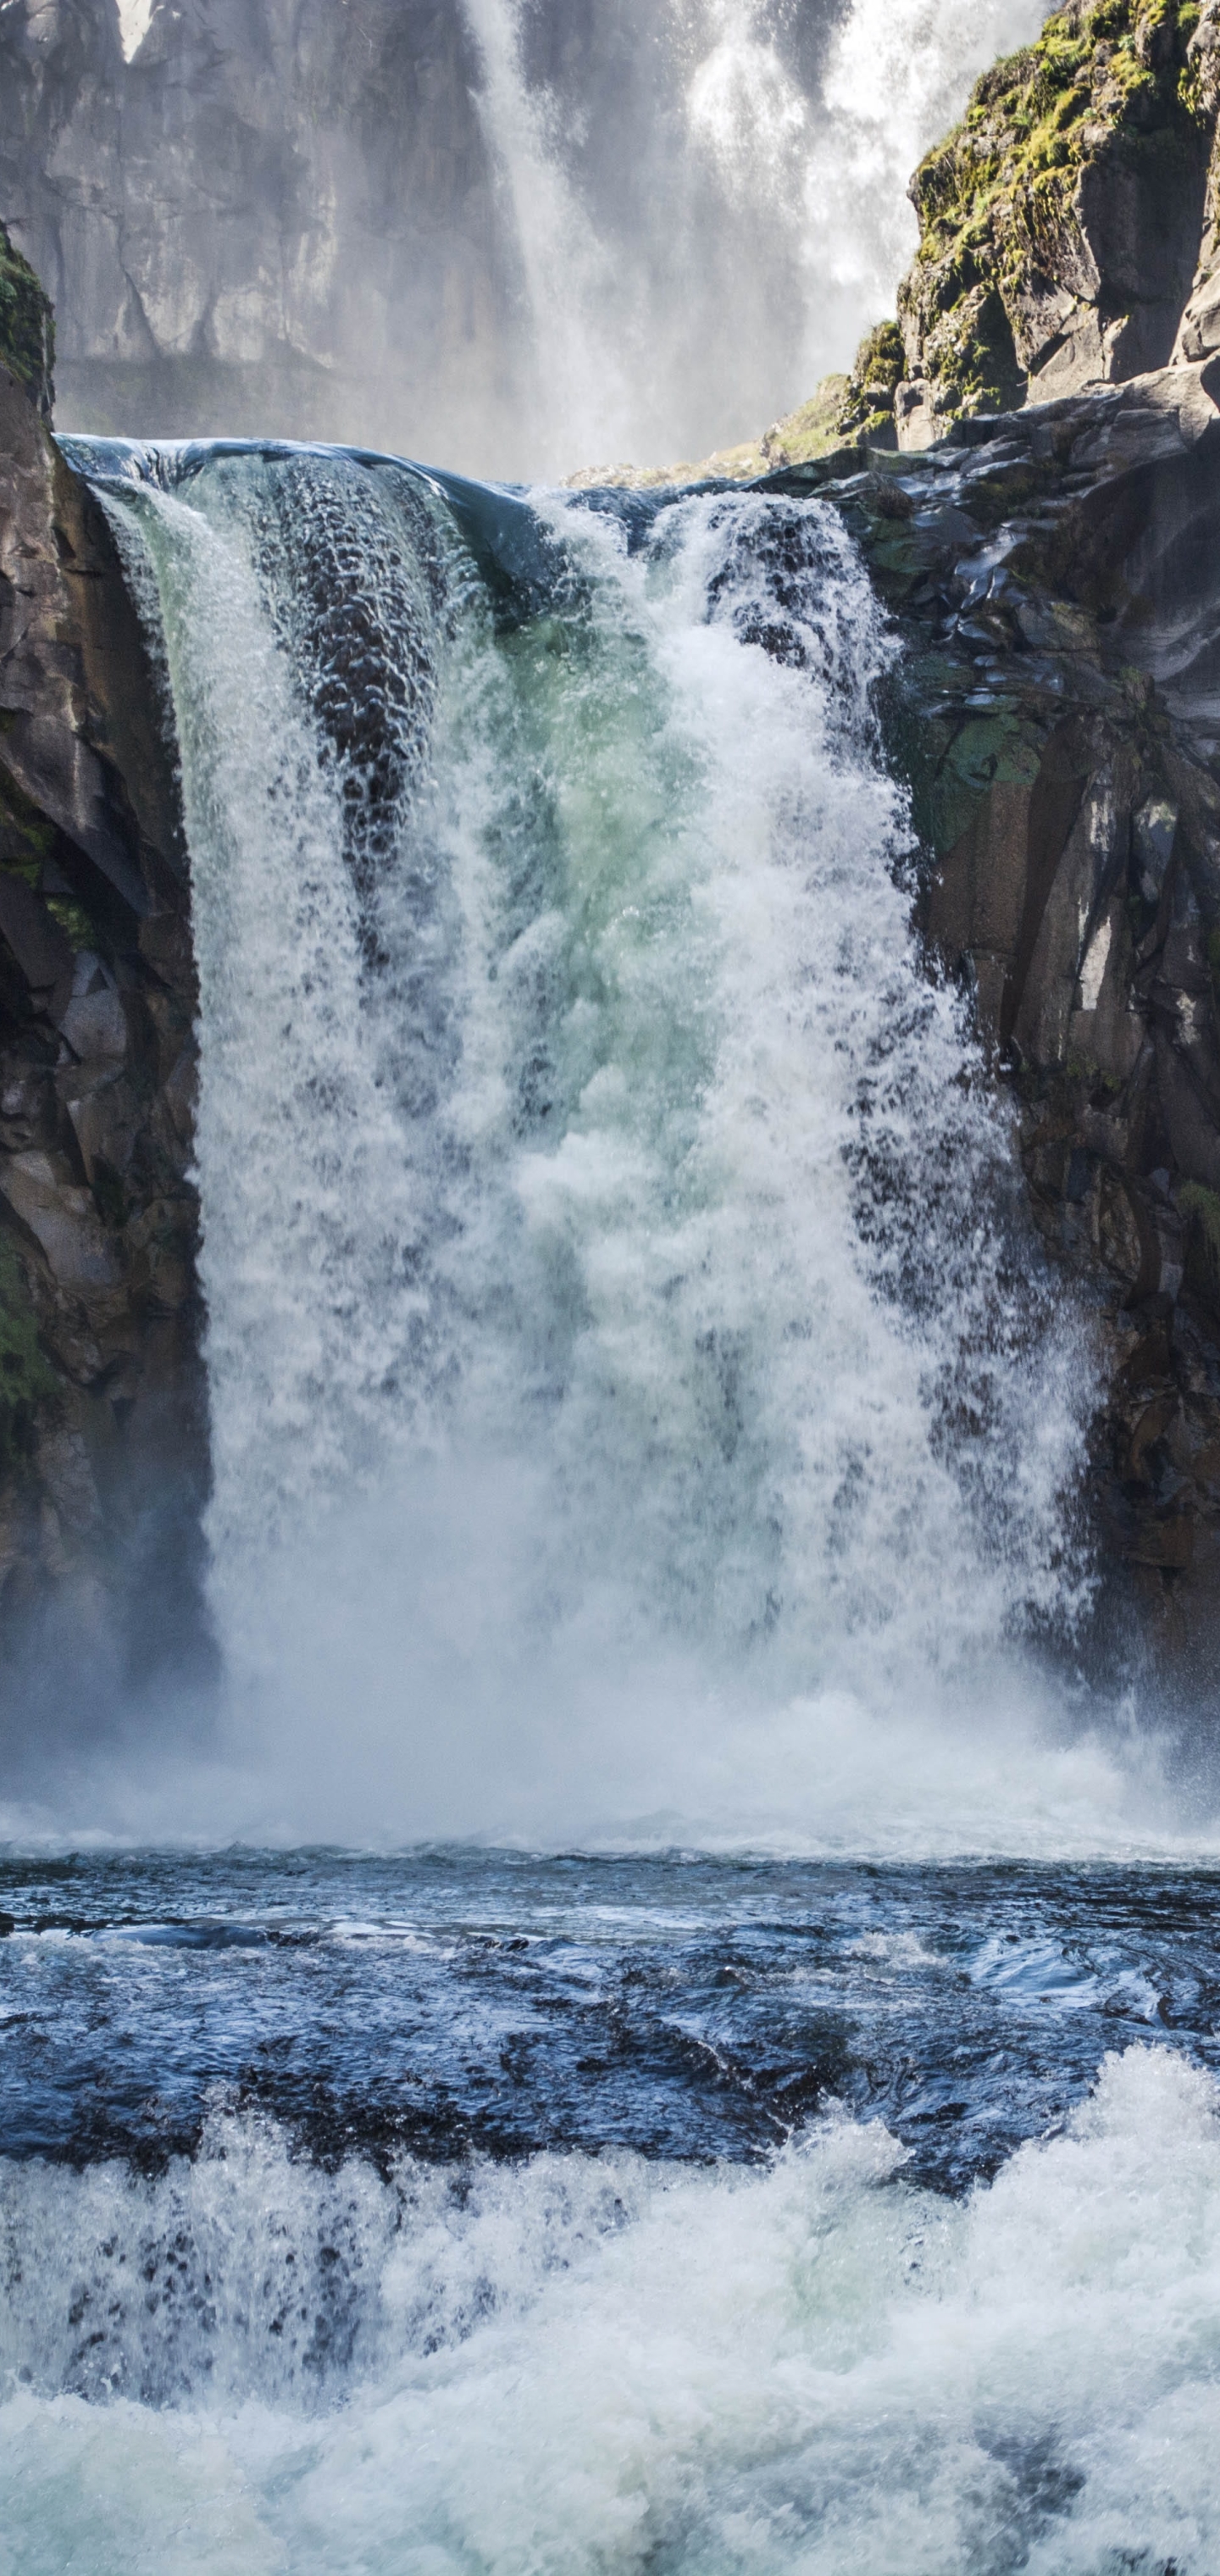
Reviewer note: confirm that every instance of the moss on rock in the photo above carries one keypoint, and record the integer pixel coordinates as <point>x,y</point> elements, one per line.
<point>1064,209</point>
<point>27,326</point>
<point>867,410</point>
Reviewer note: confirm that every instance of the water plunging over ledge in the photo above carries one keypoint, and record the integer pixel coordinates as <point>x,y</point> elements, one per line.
<point>636,1393</point>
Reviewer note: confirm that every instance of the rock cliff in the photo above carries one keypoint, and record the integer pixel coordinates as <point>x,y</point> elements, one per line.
<point>27,328</point>
<point>1068,225</point>
<point>103,1455</point>
<point>250,225</point>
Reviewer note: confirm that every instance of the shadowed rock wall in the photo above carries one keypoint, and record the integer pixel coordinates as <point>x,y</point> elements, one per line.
<point>103,1448</point>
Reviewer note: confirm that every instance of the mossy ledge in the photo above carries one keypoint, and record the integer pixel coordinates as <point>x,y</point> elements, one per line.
<point>1061,221</point>
<point>27,327</point>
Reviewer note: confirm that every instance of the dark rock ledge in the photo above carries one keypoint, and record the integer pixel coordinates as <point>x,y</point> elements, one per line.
<point>103,1446</point>
<point>1055,576</point>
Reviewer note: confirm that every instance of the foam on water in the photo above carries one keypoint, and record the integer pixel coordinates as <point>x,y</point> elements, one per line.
<point>599,2364</point>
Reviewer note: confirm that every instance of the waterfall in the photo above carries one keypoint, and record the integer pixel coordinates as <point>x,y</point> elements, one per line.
<point>134,19</point>
<point>622,1321</point>
<point>767,221</point>
<point>580,389</point>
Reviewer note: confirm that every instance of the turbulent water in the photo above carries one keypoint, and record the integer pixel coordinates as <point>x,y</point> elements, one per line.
<point>451,2215</point>
<point>644,1433</point>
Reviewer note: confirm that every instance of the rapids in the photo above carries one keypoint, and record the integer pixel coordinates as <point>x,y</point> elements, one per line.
<point>453,2216</point>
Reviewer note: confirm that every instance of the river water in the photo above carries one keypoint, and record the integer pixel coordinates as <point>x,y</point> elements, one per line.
<point>487,2212</point>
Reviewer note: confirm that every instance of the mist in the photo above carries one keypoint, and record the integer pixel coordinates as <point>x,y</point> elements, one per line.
<point>509,238</point>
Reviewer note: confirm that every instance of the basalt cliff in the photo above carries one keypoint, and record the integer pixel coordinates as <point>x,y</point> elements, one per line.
<point>1054,575</point>
<point>1034,475</point>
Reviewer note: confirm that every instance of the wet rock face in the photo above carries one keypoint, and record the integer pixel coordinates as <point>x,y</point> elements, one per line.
<point>270,210</point>
<point>103,1457</point>
<point>1056,577</point>
<point>27,327</point>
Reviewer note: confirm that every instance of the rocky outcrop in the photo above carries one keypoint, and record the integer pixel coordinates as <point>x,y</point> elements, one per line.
<point>1055,575</point>
<point>866,412</point>
<point>817,428</point>
<point>1061,223</point>
<point>102,1419</point>
<point>27,328</point>
<point>262,221</point>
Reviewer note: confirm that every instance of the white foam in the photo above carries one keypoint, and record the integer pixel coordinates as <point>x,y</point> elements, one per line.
<point>640,1414</point>
<point>638,1408</point>
<point>603,2364</point>
<point>135,18</point>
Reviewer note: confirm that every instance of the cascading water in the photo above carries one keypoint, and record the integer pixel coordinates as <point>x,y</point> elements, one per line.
<point>630,1370</point>
<point>767,220</point>
<point>645,1438</point>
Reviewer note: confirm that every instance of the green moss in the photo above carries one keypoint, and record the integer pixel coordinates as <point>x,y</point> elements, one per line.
<point>27,326</point>
<point>27,1381</point>
<point>27,841</point>
<point>811,431</point>
<point>994,199</point>
<point>879,365</point>
<point>73,920</point>
<point>26,837</point>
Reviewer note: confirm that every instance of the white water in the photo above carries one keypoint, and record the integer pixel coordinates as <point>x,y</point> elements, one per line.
<point>134,20</point>
<point>605,2365</point>
<point>774,235</point>
<point>639,1407</point>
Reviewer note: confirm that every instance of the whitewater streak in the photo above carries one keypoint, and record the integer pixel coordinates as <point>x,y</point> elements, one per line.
<point>774,231</point>
<point>637,1400</point>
